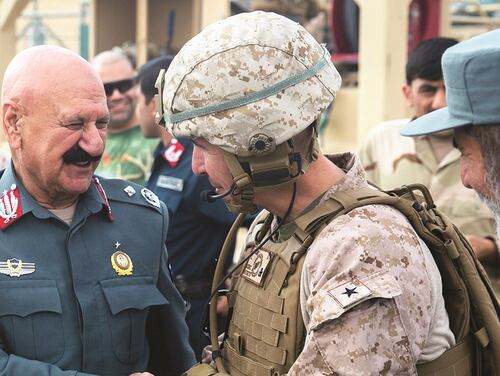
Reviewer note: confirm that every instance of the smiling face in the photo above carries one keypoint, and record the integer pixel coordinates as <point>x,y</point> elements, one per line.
<point>57,133</point>
<point>121,104</point>
<point>472,169</point>
<point>425,96</point>
<point>477,171</point>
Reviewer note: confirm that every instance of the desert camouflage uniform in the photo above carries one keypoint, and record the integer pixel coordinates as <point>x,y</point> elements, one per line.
<point>391,160</point>
<point>397,318</point>
<point>402,322</point>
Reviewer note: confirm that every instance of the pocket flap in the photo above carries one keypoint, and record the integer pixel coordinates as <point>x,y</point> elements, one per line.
<point>25,297</point>
<point>131,293</point>
<point>336,297</point>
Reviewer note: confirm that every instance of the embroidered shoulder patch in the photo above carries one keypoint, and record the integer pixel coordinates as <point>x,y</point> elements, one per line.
<point>150,197</point>
<point>257,267</point>
<point>349,293</point>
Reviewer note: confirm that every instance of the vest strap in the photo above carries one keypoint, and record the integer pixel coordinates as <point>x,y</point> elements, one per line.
<point>482,337</point>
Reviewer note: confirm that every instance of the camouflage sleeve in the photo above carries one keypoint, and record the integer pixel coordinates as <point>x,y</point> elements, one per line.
<point>364,315</point>
<point>367,340</point>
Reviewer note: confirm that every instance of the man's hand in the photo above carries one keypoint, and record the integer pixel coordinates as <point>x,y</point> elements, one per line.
<point>222,306</point>
<point>206,354</point>
<point>484,248</point>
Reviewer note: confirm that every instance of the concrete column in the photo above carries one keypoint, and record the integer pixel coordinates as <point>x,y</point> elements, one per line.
<point>196,17</point>
<point>214,10</point>
<point>141,31</point>
<point>445,24</point>
<point>382,51</point>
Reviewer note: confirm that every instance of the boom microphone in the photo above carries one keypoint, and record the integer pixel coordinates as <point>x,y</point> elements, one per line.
<point>210,195</point>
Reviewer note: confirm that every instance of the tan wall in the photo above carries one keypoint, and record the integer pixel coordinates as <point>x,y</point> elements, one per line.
<point>113,24</point>
<point>66,28</point>
<point>157,21</point>
<point>341,134</point>
<point>145,22</point>
<point>213,10</point>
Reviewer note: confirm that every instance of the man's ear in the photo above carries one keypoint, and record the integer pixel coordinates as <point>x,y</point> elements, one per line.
<point>12,124</point>
<point>406,89</point>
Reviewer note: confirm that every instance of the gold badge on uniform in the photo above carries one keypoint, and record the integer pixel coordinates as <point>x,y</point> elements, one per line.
<point>257,267</point>
<point>121,262</point>
<point>16,268</point>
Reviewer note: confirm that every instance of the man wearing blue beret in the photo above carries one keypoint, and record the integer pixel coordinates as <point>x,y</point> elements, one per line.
<point>471,70</point>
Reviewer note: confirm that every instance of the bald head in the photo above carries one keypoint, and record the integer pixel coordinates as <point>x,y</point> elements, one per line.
<point>45,69</point>
<point>55,119</point>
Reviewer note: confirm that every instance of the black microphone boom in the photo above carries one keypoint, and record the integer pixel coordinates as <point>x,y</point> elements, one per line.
<point>210,195</point>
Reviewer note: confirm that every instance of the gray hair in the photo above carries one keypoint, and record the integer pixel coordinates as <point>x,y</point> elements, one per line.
<point>109,57</point>
<point>488,137</point>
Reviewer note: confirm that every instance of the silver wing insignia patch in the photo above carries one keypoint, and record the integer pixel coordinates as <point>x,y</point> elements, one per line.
<point>16,268</point>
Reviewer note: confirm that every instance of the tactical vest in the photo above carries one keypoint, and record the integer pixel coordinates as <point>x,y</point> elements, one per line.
<point>266,332</point>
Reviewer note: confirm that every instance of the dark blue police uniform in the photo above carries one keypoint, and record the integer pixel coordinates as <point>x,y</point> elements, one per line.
<point>197,228</point>
<point>91,298</point>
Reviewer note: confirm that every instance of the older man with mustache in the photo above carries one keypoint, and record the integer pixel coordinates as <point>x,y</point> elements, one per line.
<point>471,70</point>
<point>85,287</point>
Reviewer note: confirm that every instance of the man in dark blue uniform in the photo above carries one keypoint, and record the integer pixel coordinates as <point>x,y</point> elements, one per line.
<point>197,227</point>
<point>85,287</point>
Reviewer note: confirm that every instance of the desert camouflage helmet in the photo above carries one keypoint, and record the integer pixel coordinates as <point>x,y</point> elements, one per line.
<point>247,84</point>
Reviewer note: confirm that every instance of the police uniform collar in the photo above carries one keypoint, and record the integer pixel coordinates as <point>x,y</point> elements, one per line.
<point>158,150</point>
<point>96,199</point>
<point>184,141</point>
<point>174,152</point>
<point>15,200</point>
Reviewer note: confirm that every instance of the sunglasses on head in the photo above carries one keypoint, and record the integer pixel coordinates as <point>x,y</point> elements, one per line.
<point>122,86</point>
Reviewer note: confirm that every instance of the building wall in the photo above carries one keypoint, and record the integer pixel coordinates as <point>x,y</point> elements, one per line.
<point>65,28</point>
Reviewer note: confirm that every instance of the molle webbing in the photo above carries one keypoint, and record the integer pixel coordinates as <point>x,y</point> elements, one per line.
<point>267,328</point>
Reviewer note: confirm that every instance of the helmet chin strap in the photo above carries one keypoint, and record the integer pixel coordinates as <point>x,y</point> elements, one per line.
<point>281,167</point>
<point>243,192</point>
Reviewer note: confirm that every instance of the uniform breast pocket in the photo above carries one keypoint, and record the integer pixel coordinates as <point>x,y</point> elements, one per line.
<point>129,300</point>
<point>31,319</point>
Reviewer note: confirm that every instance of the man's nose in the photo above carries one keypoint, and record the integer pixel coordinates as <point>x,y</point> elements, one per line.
<point>92,140</point>
<point>116,94</point>
<point>198,162</point>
